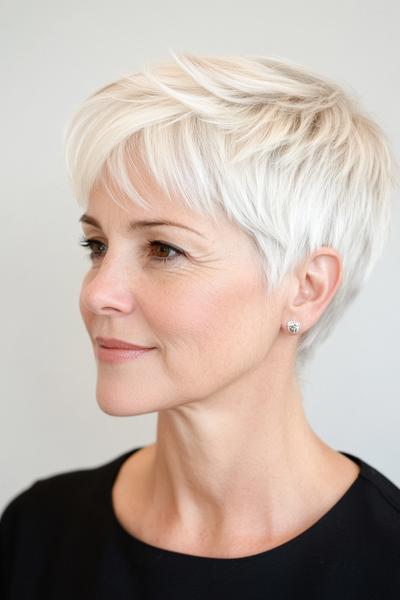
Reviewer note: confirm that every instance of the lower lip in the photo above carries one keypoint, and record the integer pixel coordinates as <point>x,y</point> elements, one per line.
<point>119,355</point>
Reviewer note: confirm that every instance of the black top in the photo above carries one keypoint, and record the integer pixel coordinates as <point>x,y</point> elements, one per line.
<point>60,539</point>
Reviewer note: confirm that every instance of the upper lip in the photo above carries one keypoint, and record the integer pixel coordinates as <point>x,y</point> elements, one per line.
<point>114,343</point>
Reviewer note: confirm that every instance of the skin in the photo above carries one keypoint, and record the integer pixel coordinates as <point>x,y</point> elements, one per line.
<point>236,468</point>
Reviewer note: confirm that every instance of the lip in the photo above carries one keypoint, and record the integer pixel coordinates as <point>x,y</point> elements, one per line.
<point>119,355</point>
<point>112,343</point>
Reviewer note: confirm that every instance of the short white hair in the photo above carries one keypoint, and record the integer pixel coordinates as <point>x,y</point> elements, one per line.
<point>285,153</point>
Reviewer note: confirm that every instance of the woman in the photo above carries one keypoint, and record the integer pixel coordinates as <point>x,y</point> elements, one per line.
<point>234,206</point>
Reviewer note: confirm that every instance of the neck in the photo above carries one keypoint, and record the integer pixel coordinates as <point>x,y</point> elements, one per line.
<point>221,469</point>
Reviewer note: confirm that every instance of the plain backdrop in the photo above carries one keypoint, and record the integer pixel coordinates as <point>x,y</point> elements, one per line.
<point>53,55</point>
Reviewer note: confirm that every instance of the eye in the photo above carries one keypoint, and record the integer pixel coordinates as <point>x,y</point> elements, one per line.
<point>165,247</point>
<point>94,245</point>
<point>91,244</point>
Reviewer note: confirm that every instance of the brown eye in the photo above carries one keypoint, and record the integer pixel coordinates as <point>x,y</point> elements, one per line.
<point>165,248</point>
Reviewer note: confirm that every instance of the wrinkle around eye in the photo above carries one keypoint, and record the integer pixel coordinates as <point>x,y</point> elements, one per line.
<point>196,251</point>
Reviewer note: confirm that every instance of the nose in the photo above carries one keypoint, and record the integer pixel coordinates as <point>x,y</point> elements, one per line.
<point>107,290</point>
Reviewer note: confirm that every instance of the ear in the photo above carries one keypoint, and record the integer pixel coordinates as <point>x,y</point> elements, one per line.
<point>313,286</point>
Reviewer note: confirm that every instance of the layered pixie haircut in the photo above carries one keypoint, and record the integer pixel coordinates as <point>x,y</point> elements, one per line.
<point>286,154</point>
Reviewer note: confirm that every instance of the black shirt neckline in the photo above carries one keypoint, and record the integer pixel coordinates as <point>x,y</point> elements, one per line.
<point>316,529</point>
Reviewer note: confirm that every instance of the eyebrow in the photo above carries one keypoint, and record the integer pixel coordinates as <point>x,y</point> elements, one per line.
<point>134,225</point>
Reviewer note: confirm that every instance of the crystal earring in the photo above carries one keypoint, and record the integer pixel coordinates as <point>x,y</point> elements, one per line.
<point>293,326</point>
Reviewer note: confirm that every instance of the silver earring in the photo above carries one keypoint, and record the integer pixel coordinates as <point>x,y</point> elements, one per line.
<point>293,326</point>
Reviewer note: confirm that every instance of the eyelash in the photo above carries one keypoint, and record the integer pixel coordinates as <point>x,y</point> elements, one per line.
<point>91,243</point>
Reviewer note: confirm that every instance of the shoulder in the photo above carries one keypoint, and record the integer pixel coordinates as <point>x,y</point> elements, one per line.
<point>64,486</point>
<point>57,519</point>
<point>51,502</point>
<point>375,511</point>
<point>381,489</point>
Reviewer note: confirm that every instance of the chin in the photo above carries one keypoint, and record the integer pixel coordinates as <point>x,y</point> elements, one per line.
<point>122,405</point>
<point>126,401</point>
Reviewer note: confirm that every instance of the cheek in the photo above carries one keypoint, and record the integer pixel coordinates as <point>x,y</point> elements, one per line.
<point>213,316</point>
<point>214,334</point>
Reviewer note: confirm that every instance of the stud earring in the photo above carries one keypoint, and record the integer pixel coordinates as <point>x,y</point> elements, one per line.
<point>293,326</point>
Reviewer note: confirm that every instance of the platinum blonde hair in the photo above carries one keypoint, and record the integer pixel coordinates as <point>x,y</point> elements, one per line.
<point>285,153</point>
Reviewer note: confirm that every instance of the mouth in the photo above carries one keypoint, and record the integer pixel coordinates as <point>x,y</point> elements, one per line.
<point>120,355</point>
<point>115,344</point>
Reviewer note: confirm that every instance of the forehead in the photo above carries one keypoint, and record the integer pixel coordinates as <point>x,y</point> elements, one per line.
<point>111,205</point>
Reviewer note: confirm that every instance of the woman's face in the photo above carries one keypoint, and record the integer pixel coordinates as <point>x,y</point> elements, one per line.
<point>205,312</point>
